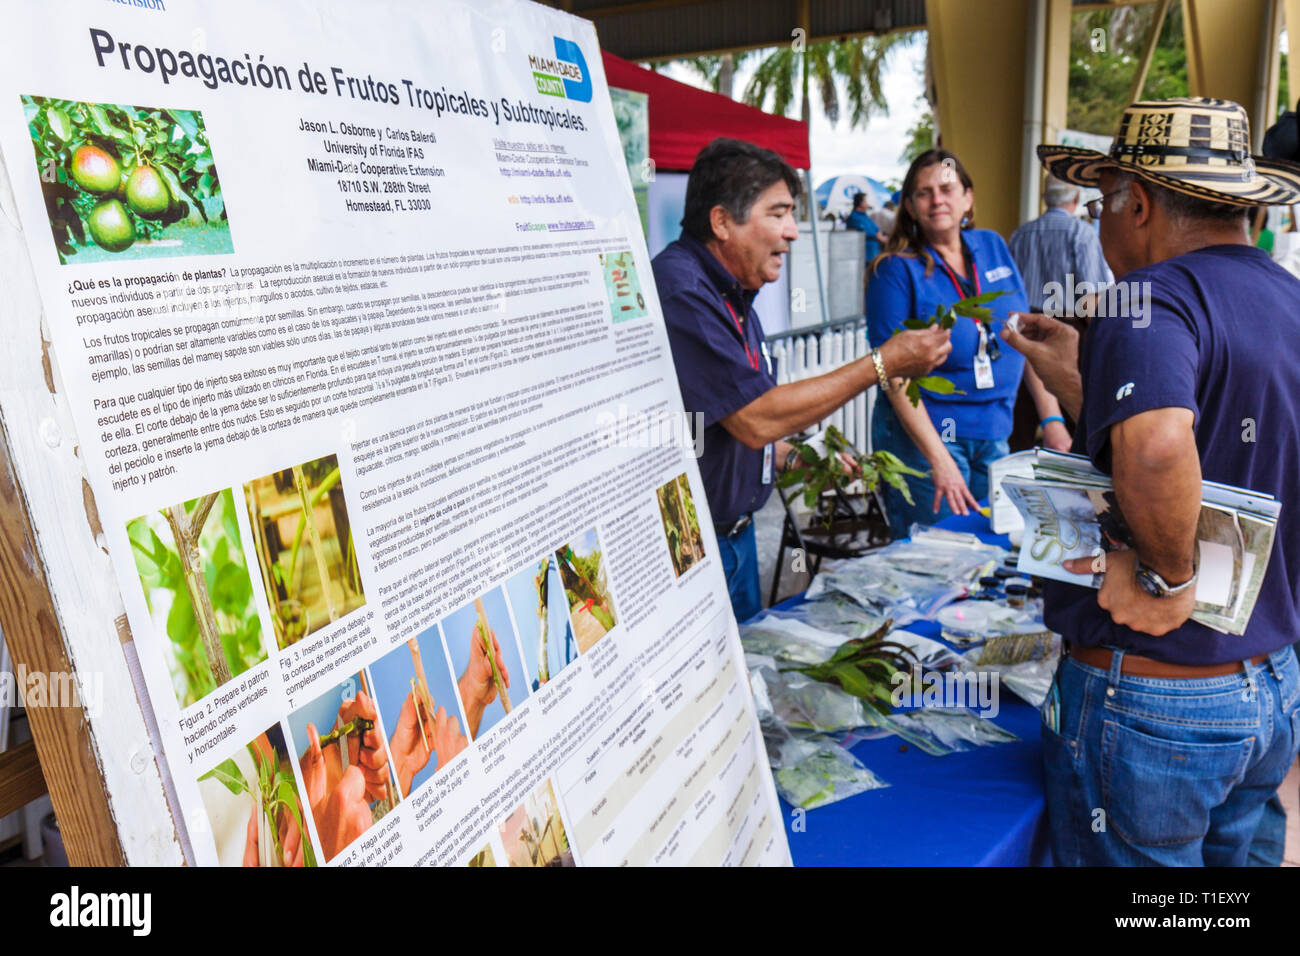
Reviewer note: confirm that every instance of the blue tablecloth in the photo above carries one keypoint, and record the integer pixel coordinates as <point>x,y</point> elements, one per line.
<point>982,807</point>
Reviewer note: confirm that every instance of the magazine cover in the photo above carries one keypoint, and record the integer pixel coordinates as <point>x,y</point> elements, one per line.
<point>1064,521</point>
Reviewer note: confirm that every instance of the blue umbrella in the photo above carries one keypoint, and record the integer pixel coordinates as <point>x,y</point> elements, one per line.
<point>836,195</point>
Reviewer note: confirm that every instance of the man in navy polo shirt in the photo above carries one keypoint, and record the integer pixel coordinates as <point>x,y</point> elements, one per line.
<point>1163,740</point>
<point>738,223</point>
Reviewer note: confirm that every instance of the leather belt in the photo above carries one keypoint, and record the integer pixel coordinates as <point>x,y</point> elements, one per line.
<point>731,530</point>
<point>1136,665</point>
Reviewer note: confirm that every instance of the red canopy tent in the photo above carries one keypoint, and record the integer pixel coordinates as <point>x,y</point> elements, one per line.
<point>683,119</point>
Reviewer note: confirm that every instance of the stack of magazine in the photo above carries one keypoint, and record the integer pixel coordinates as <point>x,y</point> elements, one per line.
<point>1070,511</point>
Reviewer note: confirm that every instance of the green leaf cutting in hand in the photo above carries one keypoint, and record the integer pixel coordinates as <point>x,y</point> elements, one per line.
<point>945,316</point>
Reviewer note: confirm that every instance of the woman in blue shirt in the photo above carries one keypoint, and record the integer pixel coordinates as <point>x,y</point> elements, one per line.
<point>935,256</point>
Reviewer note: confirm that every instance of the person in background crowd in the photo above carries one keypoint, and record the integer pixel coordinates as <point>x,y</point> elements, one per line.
<point>860,221</point>
<point>1058,244</point>
<point>936,256</point>
<point>1057,247</point>
<point>884,217</point>
<point>1286,248</point>
<point>1178,733</point>
<point>739,222</point>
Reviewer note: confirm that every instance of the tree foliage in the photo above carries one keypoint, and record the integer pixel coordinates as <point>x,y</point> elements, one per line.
<point>921,134</point>
<point>1105,53</point>
<point>785,75</point>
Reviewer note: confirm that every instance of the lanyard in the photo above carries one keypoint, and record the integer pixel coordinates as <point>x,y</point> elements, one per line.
<point>975,273</point>
<point>987,346</point>
<point>750,354</point>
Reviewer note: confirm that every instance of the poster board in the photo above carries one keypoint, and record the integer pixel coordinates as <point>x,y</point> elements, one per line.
<point>319,387</point>
<point>632,113</point>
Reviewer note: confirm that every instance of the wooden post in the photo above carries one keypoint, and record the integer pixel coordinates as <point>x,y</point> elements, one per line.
<point>61,604</point>
<point>60,734</point>
<point>21,780</point>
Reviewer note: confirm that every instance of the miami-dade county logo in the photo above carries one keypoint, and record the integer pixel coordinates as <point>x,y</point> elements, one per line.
<point>565,75</point>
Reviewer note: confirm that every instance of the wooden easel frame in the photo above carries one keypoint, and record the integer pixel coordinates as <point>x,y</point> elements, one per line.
<point>60,605</point>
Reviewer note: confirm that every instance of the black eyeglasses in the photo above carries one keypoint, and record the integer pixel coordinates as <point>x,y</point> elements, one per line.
<point>1094,206</point>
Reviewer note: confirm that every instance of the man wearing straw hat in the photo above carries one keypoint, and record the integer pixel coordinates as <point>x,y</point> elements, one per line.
<point>1162,738</point>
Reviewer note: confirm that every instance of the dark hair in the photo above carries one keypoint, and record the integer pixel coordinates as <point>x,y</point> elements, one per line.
<point>1181,207</point>
<point>731,173</point>
<point>857,198</point>
<point>906,238</point>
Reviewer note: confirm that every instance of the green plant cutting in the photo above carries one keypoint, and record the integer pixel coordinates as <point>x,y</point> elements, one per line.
<point>821,778</point>
<point>945,316</point>
<point>223,578</point>
<point>312,484</point>
<point>817,471</point>
<point>275,793</point>
<point>585,570</point>
<point>865,667</point>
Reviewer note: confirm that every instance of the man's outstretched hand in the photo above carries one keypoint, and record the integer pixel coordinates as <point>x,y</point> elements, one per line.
<point>1052,349</point>
<point>915,352</point>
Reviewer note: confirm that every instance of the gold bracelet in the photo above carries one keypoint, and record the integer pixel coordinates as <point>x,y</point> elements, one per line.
<point>881,378</point>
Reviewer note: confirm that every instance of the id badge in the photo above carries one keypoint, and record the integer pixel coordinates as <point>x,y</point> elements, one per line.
<point>983,364</point>
<point>767,464</point>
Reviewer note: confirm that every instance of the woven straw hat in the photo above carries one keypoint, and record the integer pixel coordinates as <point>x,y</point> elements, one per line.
<point>1196,146</point>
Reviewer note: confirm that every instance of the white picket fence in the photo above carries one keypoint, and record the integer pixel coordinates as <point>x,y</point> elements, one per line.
<point>805,353</point>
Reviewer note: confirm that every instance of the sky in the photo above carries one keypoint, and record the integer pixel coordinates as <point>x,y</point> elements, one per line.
<point>873,150</point>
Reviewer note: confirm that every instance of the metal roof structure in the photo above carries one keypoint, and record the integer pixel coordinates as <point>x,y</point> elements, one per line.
<point>667,29</point>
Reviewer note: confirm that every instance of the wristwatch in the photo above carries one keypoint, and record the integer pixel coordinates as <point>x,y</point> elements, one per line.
<point>1156,586</point>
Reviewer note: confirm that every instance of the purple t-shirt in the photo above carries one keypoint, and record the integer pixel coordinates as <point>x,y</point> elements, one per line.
<point>1216,331</point>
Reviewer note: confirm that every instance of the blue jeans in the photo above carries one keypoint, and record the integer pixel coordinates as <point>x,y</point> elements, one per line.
<point>740,567</point>
<point>1268,848</point>
<point>1144,771</point>
<point>972,455</point>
